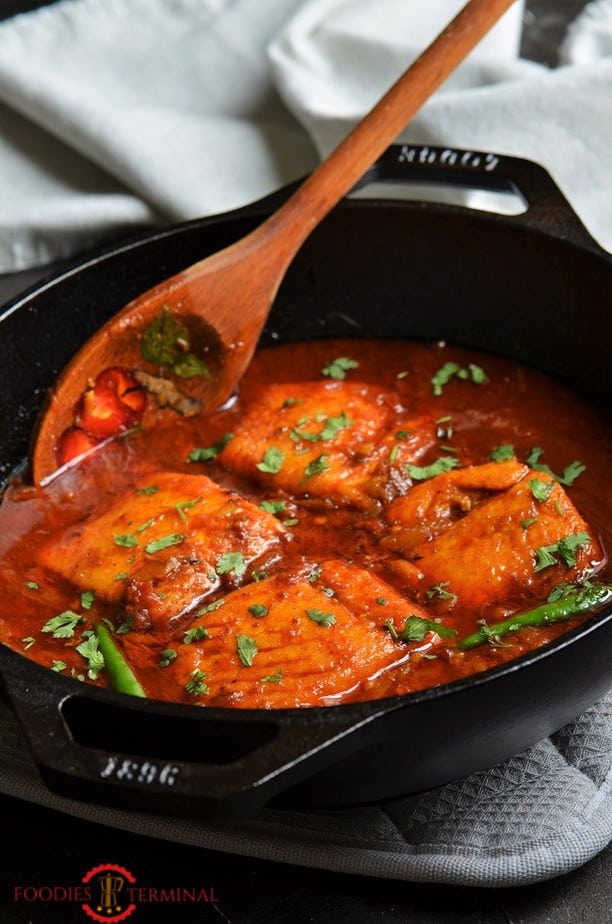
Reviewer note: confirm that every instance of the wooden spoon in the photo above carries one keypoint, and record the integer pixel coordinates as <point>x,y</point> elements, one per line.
<point>217,308</point>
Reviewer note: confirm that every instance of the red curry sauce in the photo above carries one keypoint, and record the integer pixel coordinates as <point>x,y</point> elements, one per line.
<point>307,545</point>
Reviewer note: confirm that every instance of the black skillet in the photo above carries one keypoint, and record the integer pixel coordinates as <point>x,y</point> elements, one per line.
<point>534,287</point>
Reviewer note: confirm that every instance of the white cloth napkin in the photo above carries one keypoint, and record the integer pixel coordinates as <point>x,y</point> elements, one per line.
<point>117,114</point>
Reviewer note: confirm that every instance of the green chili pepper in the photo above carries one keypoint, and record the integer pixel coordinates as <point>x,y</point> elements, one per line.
<point>120,674</point>
<point>572,601</point>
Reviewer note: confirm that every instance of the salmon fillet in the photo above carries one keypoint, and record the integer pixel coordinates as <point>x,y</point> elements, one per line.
<point>523,540</point>
<point>162,548</point>
<point>324,439</point>
<point>302,639</point>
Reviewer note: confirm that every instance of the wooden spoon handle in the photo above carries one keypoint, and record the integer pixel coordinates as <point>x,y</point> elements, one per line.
<point>339,172</point>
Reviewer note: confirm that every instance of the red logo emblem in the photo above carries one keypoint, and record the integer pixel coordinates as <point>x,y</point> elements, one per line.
<point>112,893</point>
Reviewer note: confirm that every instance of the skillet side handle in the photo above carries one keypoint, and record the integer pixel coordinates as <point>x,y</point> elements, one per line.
<point>547,209</point>
<point>118,750</point>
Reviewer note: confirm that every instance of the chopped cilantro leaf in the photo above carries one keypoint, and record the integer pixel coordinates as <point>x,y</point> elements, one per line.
<point>146,525</point>
<point>337,368</point>
<point>28,642</point>
<point>182,506</point>
<point>167,657</point>
<point>258,610</point>
<point>441,591</point>
<point>63,625</point>
<point>89,649</point>
<point>211,607</point>
<point>273,506</point>
<point>502,453</point>
<point>548,555</point>
<point>331,426</point>
<point>272,461</point>
<point>208,453</point>
<point>32,585</point>
<point>88,598</point>
<point>150,489</point>
<point>125,540</point>
<point>323,619</point>
<point>443,464</point>
<point>58,666</point>
<point>246,648</point>
<point>231,561</point>
<point>166,343</point>
<point>570,472</point>
<point>318,465</point>
<point>196,686</point>
<point>273,678</point>
<point>164,542</point>
<point>416,628</point>
<point>541,489</point>
<point>196,634</point>
<point>451,370</point>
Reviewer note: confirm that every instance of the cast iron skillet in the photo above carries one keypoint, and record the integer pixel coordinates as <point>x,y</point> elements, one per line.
<point>533,287</point>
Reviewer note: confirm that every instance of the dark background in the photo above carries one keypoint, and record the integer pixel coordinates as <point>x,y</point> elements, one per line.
<point>42,847</point>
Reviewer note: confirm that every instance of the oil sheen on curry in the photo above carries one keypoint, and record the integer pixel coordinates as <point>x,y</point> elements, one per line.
<point>367,518</point>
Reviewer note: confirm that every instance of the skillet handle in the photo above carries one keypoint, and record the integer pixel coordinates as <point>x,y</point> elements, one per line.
<point>105,747</point>
<point>547,209</point>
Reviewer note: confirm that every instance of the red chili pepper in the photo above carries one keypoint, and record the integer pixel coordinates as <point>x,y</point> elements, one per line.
<point>115,403</point>
<point>72,443</point>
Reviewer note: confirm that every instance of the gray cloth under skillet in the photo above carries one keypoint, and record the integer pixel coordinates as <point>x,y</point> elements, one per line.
<point>536,816</point>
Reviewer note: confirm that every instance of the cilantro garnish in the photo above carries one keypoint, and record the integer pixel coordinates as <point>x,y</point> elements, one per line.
<point>88,598</point>
<point>258,610</point>
<point>63,625</point>
<point>206,454</point>
<point>273,506</point>
<point>246,648</point>
<point>416,628</point>
<point>441,591</point>
<point>166,343</point>
<point>570,472</point>
<point>58,666</point>
<point>125,540</point>
<point>196,634</point>
<point>167,657</point>
<point>272,461</point>
<point>443,464</point>
<point>231,561</point>
<point>182,506</point>
<point>331,426</point>
<point>565,549</point>
<point>196,686</point>
<point>337,368</point>
<point>90,650</point>
<point>541,489</point>
<point>502,453</point>
<point>323,619</point>
<point>211,607</point>
<point>272,678</point>
<point>146,525</point>
<point>165,542</point>
<point>318,465</point>
<point>451,370</point>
